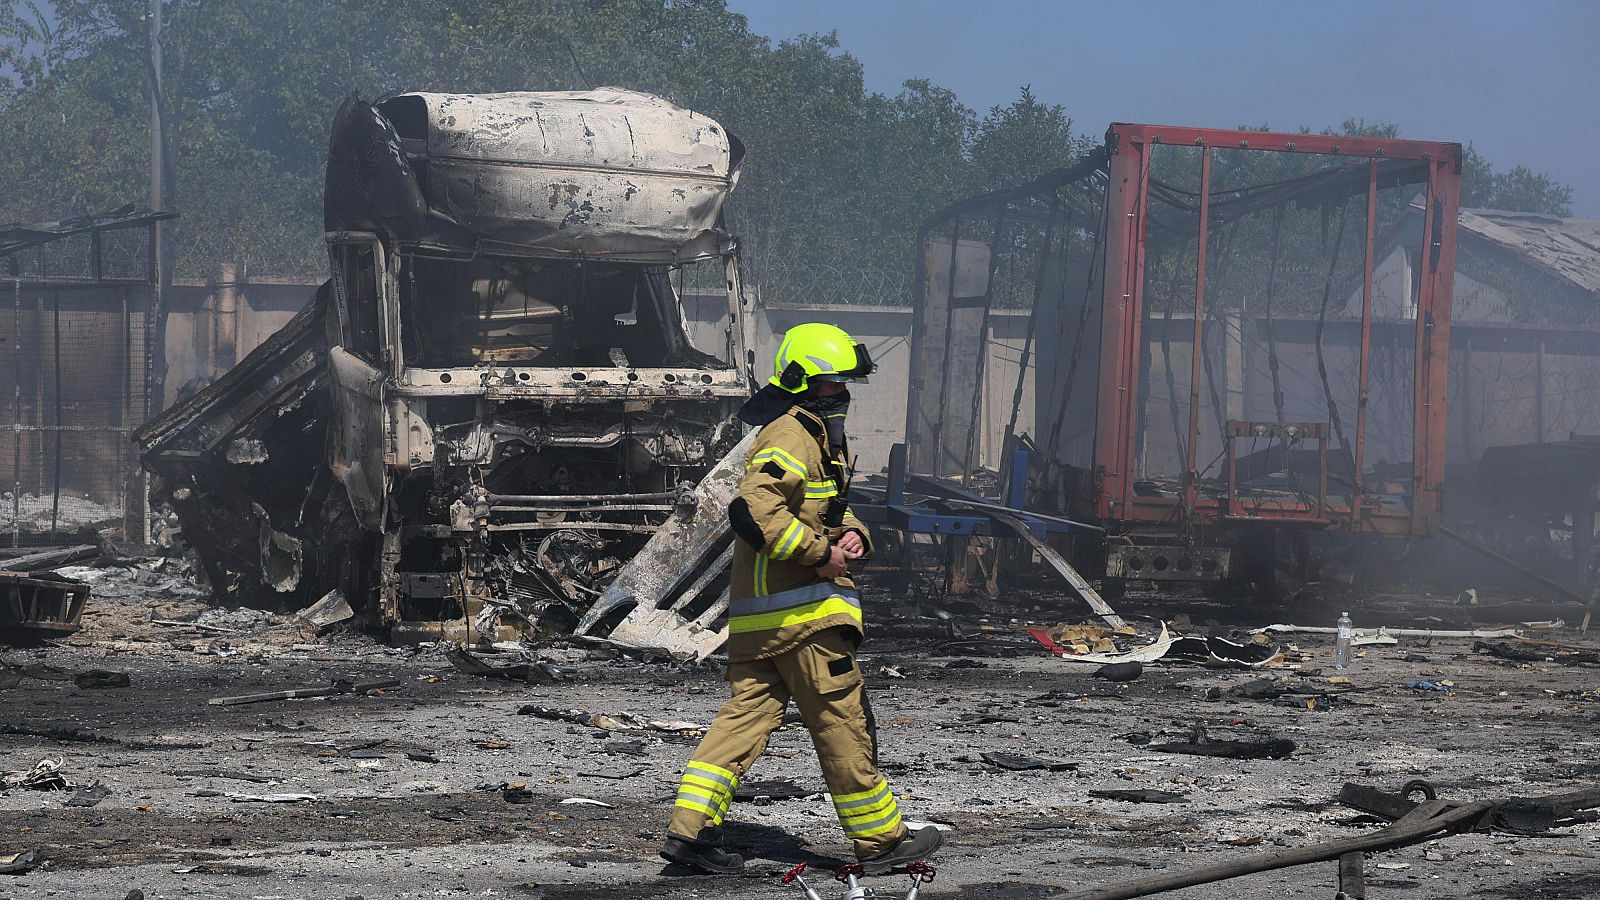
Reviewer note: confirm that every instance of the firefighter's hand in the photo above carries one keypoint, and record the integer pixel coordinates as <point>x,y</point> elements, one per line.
<point>852,545</point>
<point>835,565</point>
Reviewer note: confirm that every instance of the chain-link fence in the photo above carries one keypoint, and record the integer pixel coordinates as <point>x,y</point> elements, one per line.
<point>75,365</point>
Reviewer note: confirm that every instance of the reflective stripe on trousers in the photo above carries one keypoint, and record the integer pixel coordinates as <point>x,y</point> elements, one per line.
<point>707,789</point>
<point>792,607</point>
<point>869,812</point>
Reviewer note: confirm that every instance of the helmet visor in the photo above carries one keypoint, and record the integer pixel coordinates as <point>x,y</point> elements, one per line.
<point>864,366</point>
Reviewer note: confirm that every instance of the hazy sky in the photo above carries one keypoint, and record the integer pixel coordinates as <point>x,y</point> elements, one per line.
<point>1519,79</point>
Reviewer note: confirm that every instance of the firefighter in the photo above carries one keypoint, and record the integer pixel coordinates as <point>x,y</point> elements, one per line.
<point>794,617</point>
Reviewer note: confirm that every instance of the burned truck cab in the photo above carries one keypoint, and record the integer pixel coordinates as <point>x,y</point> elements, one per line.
<point>516,403</point>
<point>507,402</point>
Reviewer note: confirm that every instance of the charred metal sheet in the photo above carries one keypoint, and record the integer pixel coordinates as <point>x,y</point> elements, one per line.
<point>280,555</point>
<point>241,463</point>
<point>667,588</point>
<point>358,434</point>
<point>286,367</point>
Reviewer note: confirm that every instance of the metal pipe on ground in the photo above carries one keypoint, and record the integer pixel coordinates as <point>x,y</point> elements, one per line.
<point>1425,823</point>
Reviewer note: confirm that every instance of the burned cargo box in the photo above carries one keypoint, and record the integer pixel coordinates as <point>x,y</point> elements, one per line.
<point>494,402</point>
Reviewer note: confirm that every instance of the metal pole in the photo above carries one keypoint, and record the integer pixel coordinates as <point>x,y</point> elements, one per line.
<point>944,357</point>
<point>1135,380</point>
<point>1033,317</point>
<point>1419,378</point>
<point>981,364</point>
<point>1197,349</point>
<point>55,358</point>
<point>1365,363</point>
<point>155,366</point>
<point>16,406</point>
<point>157,138</point>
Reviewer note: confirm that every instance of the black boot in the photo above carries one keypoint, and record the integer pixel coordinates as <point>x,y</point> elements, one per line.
<point>914,846</point>
<point>704,853</point>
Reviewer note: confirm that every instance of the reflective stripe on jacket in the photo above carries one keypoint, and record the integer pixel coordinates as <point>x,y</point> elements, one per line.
<point>776,597</point>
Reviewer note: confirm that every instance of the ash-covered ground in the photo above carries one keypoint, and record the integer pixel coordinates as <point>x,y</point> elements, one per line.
<point>408,782</point>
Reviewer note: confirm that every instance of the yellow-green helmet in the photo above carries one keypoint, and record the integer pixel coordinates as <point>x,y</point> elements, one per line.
<point>818,351</point>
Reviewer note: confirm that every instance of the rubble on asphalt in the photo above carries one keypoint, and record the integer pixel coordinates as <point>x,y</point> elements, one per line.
<point>1045,775</point>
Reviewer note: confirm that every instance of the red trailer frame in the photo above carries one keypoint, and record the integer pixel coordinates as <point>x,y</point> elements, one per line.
<point>1114,498</point>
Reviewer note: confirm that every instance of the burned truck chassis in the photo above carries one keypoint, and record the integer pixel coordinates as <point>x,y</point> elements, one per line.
<point>538,505</point>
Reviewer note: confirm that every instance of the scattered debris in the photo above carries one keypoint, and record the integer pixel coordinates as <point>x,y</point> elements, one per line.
<point>966,664</point>
<point>614,776</point>
<point>1017,762</point>
<point>102,678</point>
<point>1423,685</point>
<point>585,801</point>
<point>332,609</point>
<point>1141,796</point>
<point>610,721</point>
<point>50,559</point>
<point>65,733</point>
<point>338,687</point>
<point>1059,563</point>
<point>770,791</point>
<point>1426,821</point>
<point>1119,672</point>
<point>220,773</point>
<point>1258,689</point>
<point>271,798</point>
<point>1213,651</point>
<point>1199,745</point>
<point>16,863</point>
<point>486,666</point>
<point>1523,650</point>
<point>44,776</point>
<point>89,796</point>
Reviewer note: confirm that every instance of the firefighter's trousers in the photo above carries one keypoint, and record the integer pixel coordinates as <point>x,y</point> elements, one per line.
<point>822,677</point>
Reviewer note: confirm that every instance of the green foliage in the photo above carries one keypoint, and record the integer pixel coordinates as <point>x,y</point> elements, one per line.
<point>1024,140</point>
<point>1517,189</point>
<point>837,182</point>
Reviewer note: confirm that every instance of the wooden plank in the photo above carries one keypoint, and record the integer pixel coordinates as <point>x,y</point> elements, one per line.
<point>50,559</point>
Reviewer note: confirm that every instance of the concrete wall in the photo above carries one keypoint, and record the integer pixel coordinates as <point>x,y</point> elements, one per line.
<point>213,324</point>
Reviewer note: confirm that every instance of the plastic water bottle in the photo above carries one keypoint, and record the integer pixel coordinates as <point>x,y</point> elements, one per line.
<point>1341,643</point>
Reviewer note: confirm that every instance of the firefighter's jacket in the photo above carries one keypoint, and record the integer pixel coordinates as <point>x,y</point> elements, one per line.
<point>776,599</point>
